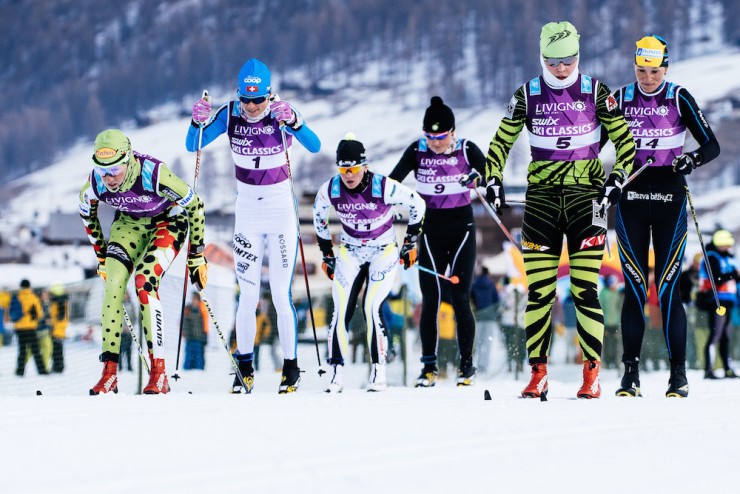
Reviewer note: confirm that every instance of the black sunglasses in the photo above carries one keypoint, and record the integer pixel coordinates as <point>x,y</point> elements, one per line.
<point>258,100</point>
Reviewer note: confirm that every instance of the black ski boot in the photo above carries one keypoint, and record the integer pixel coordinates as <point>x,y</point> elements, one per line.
<point>247,371</point>
<point>630,385</point>
<point>291,377</point>
<point>678,386</point>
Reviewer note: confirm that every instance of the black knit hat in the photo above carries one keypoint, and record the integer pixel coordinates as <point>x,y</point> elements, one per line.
<point>350,152</point>
<point>438,117</point>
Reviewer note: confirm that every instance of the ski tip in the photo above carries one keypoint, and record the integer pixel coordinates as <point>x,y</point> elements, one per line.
<point>38,392</point>
<point>486,395</point>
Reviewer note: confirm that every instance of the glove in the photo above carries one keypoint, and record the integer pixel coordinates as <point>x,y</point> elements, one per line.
<point>101,268</point>
<point>282,111</point>
<point>198,270</point>
<point>470,178</point>
<point>408,251</point>
<point>495,194</point>
<point>329,264</point>
<point>201,111</point>
<point>685,163</point>
<point>611,190</point>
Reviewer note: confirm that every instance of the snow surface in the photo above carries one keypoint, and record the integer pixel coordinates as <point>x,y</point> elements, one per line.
<point>439,440</point>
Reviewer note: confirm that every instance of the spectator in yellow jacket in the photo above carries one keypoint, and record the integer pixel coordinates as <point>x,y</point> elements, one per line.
<point>25,329</point>
<point>59,316</point>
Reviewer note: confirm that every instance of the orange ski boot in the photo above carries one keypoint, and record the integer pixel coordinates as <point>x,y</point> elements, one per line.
<point>109,380</point>
<point>591,387</point>
<point>538,383</point>
<point>157,379</point>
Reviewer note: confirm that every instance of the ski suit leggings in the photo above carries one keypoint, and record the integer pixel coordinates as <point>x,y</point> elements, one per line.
<point>654,207</point>
<point>265,218</point>
<point>719,337</point>
<point>378,265</point>
<point>456,250</point>
<point>551,212</point>
<point>145,247</point>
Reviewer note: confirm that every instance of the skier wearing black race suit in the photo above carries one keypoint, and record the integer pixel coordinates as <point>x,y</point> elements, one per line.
<point>445,168</point>
<point>654,206</point>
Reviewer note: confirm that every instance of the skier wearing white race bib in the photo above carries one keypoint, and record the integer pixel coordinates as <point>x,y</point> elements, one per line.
<point>368,252</point>
<point>265,207</point>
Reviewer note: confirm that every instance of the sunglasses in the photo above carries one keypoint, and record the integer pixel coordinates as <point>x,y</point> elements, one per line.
<point>343,170</point>
<point>436,137</point>
<point>554,62</point>
<point>109,171</point>
<point>258,100</point>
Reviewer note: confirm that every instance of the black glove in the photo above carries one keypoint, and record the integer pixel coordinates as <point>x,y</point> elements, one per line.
<point>470,178</point>
<point>408,251</point>
<point>611,191</point>
<point>495,194</point>
<point>685,163</point>
<point>329,264</point>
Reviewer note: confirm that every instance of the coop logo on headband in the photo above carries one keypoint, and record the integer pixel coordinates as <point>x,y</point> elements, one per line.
<point>252,79</point>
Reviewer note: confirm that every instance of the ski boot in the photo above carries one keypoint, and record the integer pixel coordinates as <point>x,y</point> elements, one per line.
<point>336,385</point>
<point>428,376</point>
<point>466,374</point>
<point>538,382</point>
<point>630,385</point>
<point>291,377</point>
<point>108,381</point>
<point>378,381</point>
<point>678,385</point>
<point>591,388</point>
<point>247,371</point>
<point>158,383</point>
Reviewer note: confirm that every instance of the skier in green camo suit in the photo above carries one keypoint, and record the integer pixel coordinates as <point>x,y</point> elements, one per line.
<point>154,209</point>
<point>563,111</point>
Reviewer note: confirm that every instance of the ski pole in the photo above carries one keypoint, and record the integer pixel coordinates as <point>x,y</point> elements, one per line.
<point>176,376</point>
<point>452,279</point>
<point>496,218</point>
<point>223,339</point>
<point>648,161</point>
<point>135,339</point>
<point>720,309</point>
<point>300,243</point>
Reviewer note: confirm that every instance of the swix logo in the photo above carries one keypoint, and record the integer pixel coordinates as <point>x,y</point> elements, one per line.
<point>252,80</point>
<point>593,241</point>
<point>545,121</point>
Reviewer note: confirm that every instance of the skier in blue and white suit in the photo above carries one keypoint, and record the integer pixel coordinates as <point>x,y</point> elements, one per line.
<point>265,206</point>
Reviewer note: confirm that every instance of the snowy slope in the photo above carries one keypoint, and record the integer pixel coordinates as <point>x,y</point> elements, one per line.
<point>439,440</point>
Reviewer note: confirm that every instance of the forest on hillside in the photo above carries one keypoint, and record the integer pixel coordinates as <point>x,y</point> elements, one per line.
<point>72,67</point>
